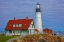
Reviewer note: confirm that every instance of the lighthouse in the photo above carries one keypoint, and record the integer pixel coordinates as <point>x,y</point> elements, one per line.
<point>38,18</point>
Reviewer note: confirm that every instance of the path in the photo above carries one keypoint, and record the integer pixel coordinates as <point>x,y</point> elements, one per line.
<point>10,40</point>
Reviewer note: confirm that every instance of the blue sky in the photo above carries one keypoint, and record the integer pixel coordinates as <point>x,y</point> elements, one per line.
<point>52,12</point>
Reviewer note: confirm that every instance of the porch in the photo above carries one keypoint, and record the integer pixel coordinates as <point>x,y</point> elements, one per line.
<point>16,32</point>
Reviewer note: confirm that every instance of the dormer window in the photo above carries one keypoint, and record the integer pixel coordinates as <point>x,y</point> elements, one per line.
<point>20,25</point>
<point>17,25</point>
<point>13,25</point>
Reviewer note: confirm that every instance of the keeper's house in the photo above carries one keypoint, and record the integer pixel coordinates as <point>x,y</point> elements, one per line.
<point>47,31</point>
<point>19,27</point>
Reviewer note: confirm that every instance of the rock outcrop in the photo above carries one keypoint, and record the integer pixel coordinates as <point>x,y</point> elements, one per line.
<point>40,38</point>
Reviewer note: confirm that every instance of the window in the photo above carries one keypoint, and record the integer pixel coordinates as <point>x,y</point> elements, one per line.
<point>18,31</point>
<point>13,25</point>
<point>20,25</point>
<point>31,25</point>
<point>16,25</point>
<point>13,32</point>
<point>10,31</point>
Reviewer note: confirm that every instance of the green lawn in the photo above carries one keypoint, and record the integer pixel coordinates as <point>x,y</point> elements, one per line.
<point>5,38</point>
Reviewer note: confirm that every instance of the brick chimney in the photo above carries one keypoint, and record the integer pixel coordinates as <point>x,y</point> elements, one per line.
<point>14,18</point>
<point>26,18</point>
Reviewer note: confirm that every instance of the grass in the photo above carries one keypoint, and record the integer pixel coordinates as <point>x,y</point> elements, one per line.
<point>5,38</point>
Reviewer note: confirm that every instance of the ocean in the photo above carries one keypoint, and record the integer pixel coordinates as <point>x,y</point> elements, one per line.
<point>2,32</point>
<point>60,33</point>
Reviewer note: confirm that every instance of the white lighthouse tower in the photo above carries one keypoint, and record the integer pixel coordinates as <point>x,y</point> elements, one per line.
<point>38,18</point>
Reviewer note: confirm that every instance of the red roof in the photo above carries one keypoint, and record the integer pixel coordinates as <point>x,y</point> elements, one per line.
<point>25,24</point>
<point>47,29</point>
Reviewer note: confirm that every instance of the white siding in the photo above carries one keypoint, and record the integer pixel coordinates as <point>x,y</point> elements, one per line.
<point>31,28</point>
<point>8,34</point>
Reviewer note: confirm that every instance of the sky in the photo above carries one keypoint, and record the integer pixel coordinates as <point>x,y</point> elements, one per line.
<point>52,12</point>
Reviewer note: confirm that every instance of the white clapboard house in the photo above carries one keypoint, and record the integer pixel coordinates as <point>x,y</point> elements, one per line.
<point>19,27</point>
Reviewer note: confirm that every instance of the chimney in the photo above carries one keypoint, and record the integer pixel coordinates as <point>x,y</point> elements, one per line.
<point>14,18</point>
<point>26,18</point>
